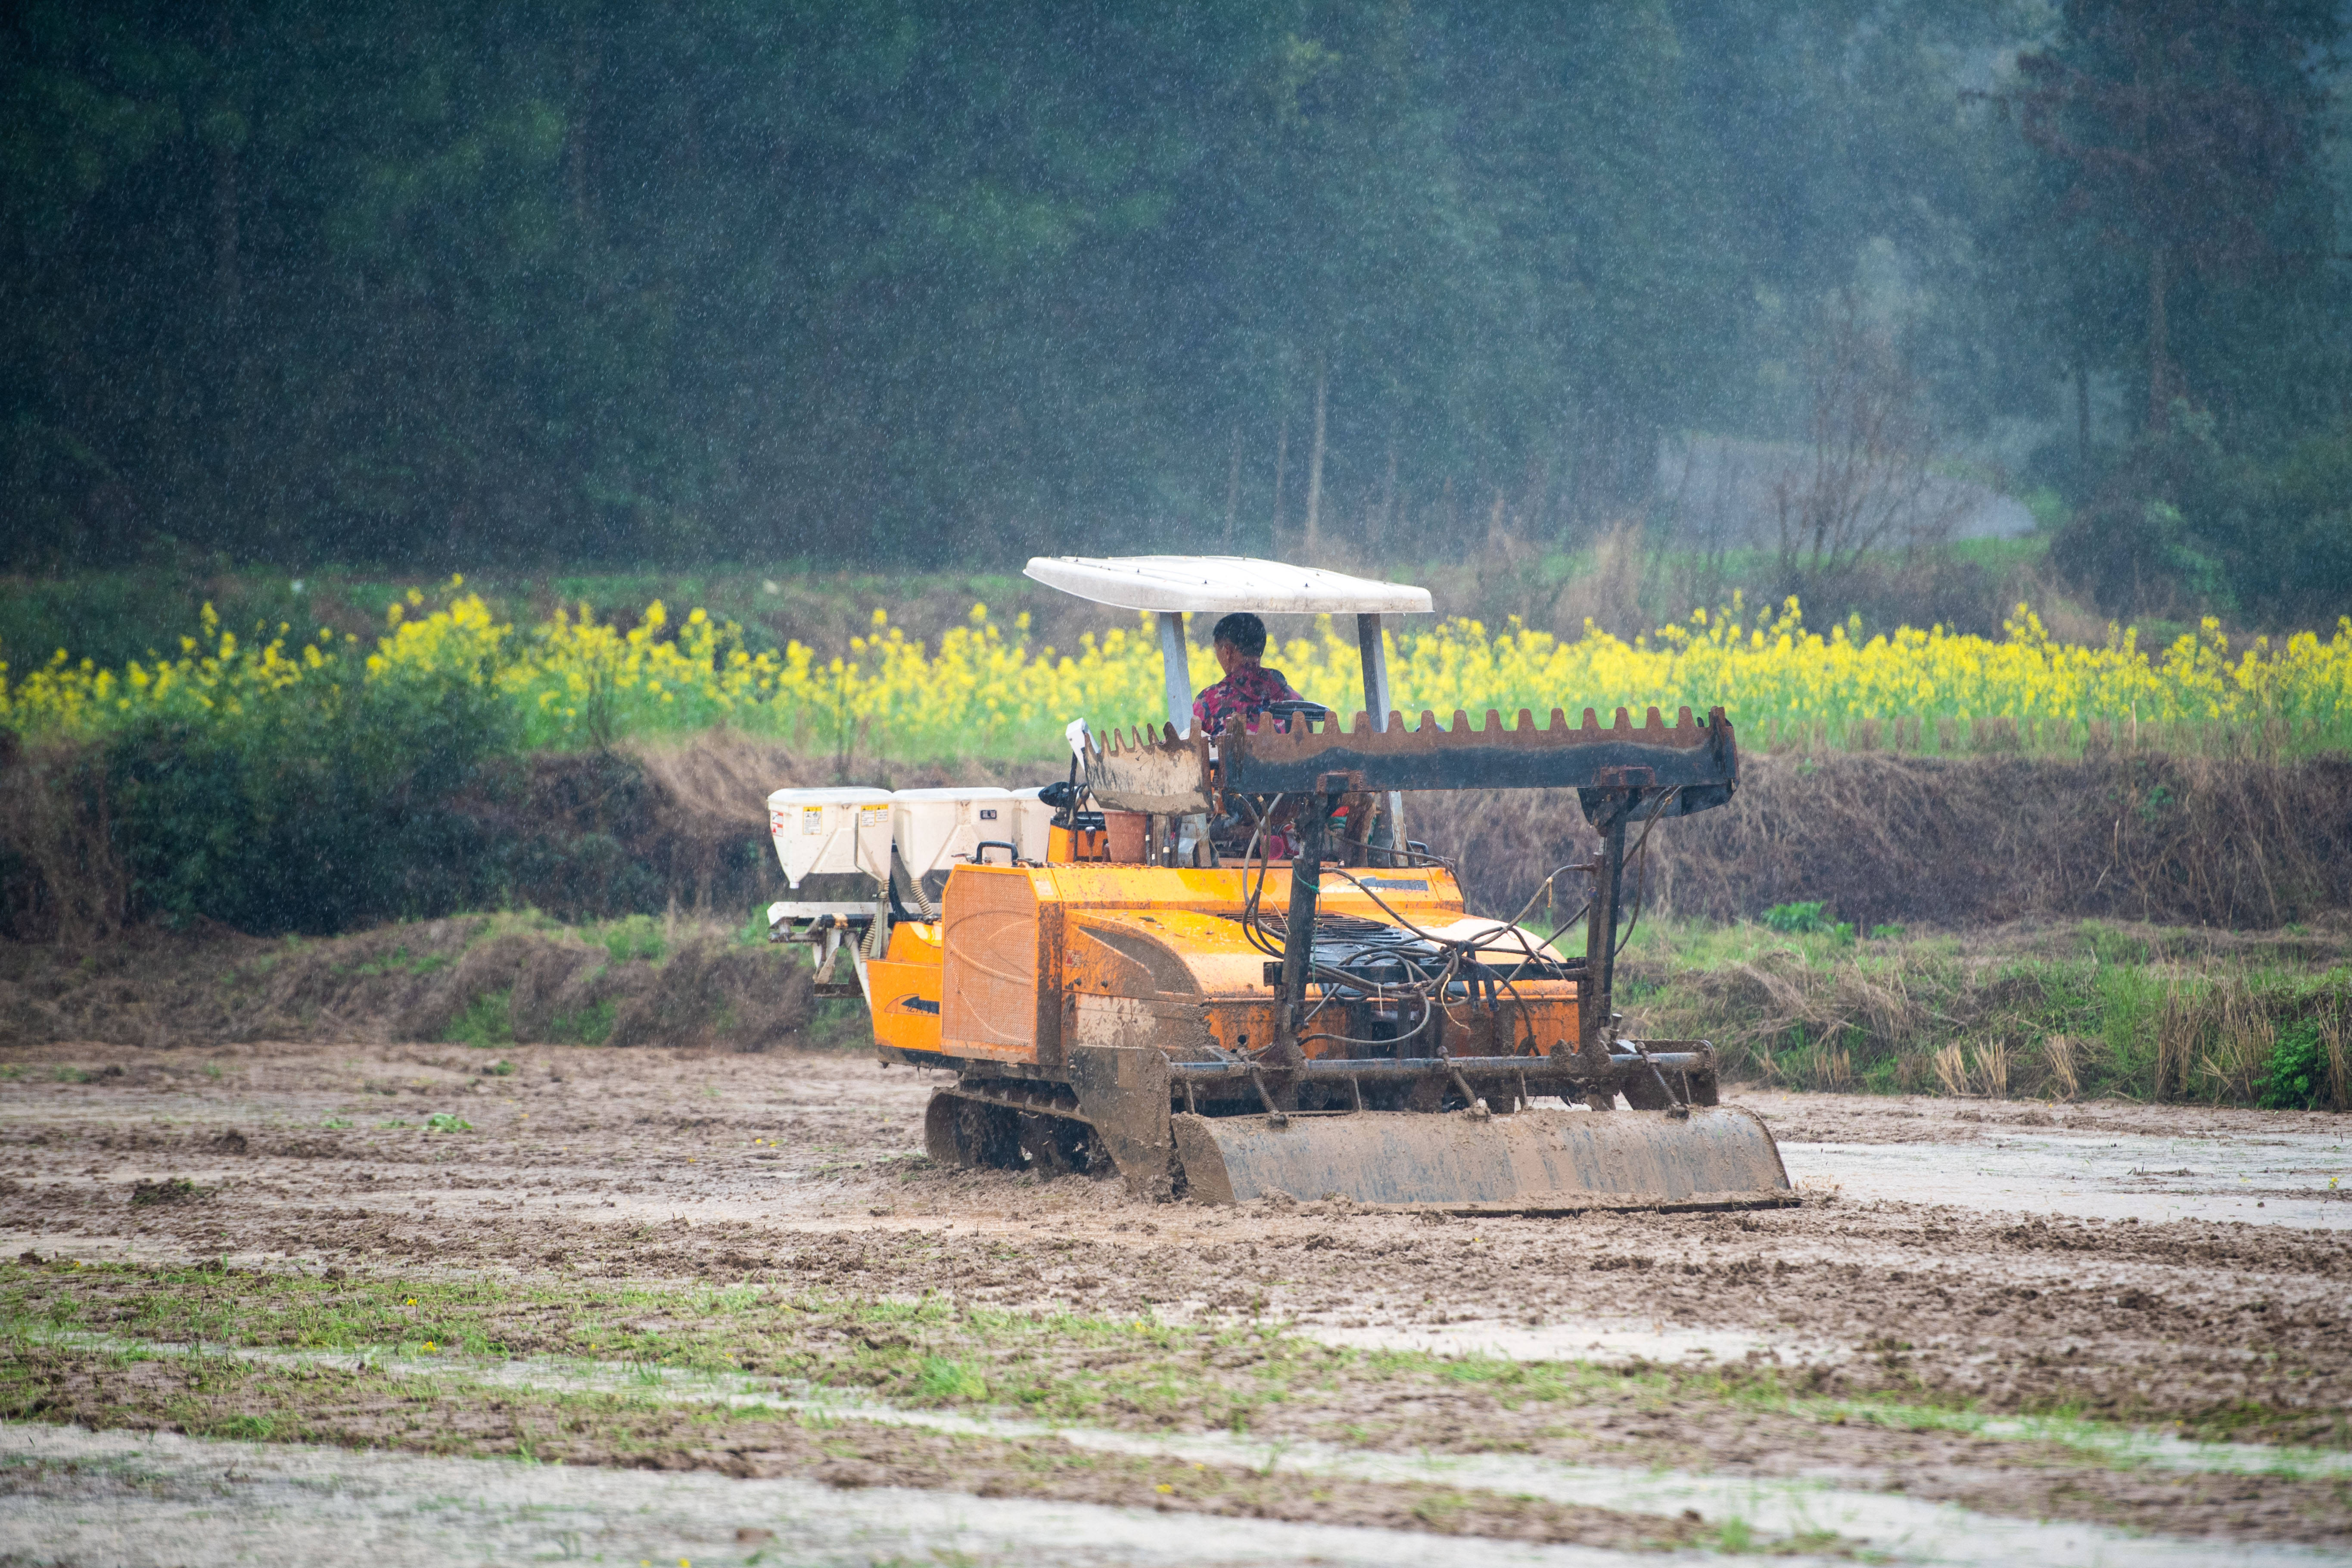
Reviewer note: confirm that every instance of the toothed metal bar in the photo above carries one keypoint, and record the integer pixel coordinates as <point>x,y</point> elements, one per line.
<point>1676,769</point>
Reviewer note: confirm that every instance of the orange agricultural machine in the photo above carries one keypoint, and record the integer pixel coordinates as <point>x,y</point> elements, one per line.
<point>1216,965</point>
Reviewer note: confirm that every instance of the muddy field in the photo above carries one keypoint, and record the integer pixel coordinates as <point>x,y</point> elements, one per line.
<point>2116,1319</point>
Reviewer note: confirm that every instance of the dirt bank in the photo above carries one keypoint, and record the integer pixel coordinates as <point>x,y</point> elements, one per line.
<point>485,979</point>
<point>1959,842</point>
<point>1877,837</point>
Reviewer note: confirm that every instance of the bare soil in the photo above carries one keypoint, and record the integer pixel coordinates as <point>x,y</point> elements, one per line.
<point>799,1173</point>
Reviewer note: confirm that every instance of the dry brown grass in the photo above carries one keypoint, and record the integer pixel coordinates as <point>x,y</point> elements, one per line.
<point>2336,1038</point>
<point>1883,838</point>
<point>1952,1069</point>
<point>2059,1051</point>
<point>60,878</point>
<point>1992,1068</point>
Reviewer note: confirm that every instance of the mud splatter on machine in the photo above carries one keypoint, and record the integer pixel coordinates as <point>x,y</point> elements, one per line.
<point>1216,965</point>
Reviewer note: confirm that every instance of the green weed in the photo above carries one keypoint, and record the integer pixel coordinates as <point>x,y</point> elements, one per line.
<point>400,962</point>
<point>589,1025</point>
<point>1807,920</point>
<point>951,1382</point>
<point>637,937</point>
<point>485,1022</point>
<point>2295,1075</point>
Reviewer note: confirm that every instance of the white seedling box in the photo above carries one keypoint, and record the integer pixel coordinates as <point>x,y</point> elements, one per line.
<point>1035,819</point>
<point>937,827</point>
<point>831,830</point>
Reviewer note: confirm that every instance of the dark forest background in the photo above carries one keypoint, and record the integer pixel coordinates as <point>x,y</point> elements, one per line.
<point>913,283</point>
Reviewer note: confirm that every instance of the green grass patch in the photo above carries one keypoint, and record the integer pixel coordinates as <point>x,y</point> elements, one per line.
<point>950,1381</point>
<point>399,960</point>
<point>636,937</point>
<point>2295,1077</point>
<point>589,1025</point>
<point>487,1021</point>
<point>1807,919</point>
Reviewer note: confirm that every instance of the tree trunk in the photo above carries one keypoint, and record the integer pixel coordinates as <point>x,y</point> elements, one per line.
<point>1233,489</point>
<point>2159,396</point>
<point>1388,497</point>
<point>1315,470</point>
<point>1281,462</point>
<point>586,60</point>
<point>226,281</point>
<point>2082,419</point>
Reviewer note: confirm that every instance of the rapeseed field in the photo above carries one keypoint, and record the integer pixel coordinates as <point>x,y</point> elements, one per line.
<point>983,690</point>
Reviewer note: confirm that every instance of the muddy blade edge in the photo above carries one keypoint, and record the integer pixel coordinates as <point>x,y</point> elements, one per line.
<point>1532,1162</point>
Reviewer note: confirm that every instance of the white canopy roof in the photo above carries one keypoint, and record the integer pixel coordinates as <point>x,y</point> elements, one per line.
<point>1222,583</point>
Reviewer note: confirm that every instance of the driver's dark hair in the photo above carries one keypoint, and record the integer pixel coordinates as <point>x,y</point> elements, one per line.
<point>1244,631</point>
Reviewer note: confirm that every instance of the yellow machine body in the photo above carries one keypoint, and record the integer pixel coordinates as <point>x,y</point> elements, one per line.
<point>1028,961</point>
<point>1105,1010</point>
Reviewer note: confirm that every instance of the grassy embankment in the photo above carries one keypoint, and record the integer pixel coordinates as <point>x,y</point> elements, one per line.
<point>2061,1011</point>
<point>2058,1010</point>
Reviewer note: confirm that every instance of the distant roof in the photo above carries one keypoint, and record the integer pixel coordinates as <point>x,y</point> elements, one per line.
<point>1222,583</point>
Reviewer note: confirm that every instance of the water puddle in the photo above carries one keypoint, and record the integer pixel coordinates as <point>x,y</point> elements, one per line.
<point>147,1499</point>
<point>1588,1341</point>
<point>1895,1528</point>
<point>2287,1179</point>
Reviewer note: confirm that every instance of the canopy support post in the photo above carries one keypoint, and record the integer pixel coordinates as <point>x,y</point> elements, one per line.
<point>1388,835</point>
<point>1178,668</point>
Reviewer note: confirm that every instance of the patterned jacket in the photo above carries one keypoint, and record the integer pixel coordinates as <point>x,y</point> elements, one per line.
<point>1245,691</point>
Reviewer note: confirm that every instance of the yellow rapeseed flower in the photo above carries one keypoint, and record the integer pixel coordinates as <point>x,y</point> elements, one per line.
<point>574,679</point>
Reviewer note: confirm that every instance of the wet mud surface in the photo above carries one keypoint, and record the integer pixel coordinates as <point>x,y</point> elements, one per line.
<point>1756,1344</point>
<point>140,1498</point>
<point>342,1408</point>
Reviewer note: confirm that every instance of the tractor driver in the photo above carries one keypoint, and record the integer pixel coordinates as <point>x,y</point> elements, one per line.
<point>1248,687</point>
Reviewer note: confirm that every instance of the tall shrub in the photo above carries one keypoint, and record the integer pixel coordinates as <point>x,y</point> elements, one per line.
<point>328,807</point>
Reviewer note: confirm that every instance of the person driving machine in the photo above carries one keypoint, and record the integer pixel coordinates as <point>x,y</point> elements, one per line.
<point>1248,688</point>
